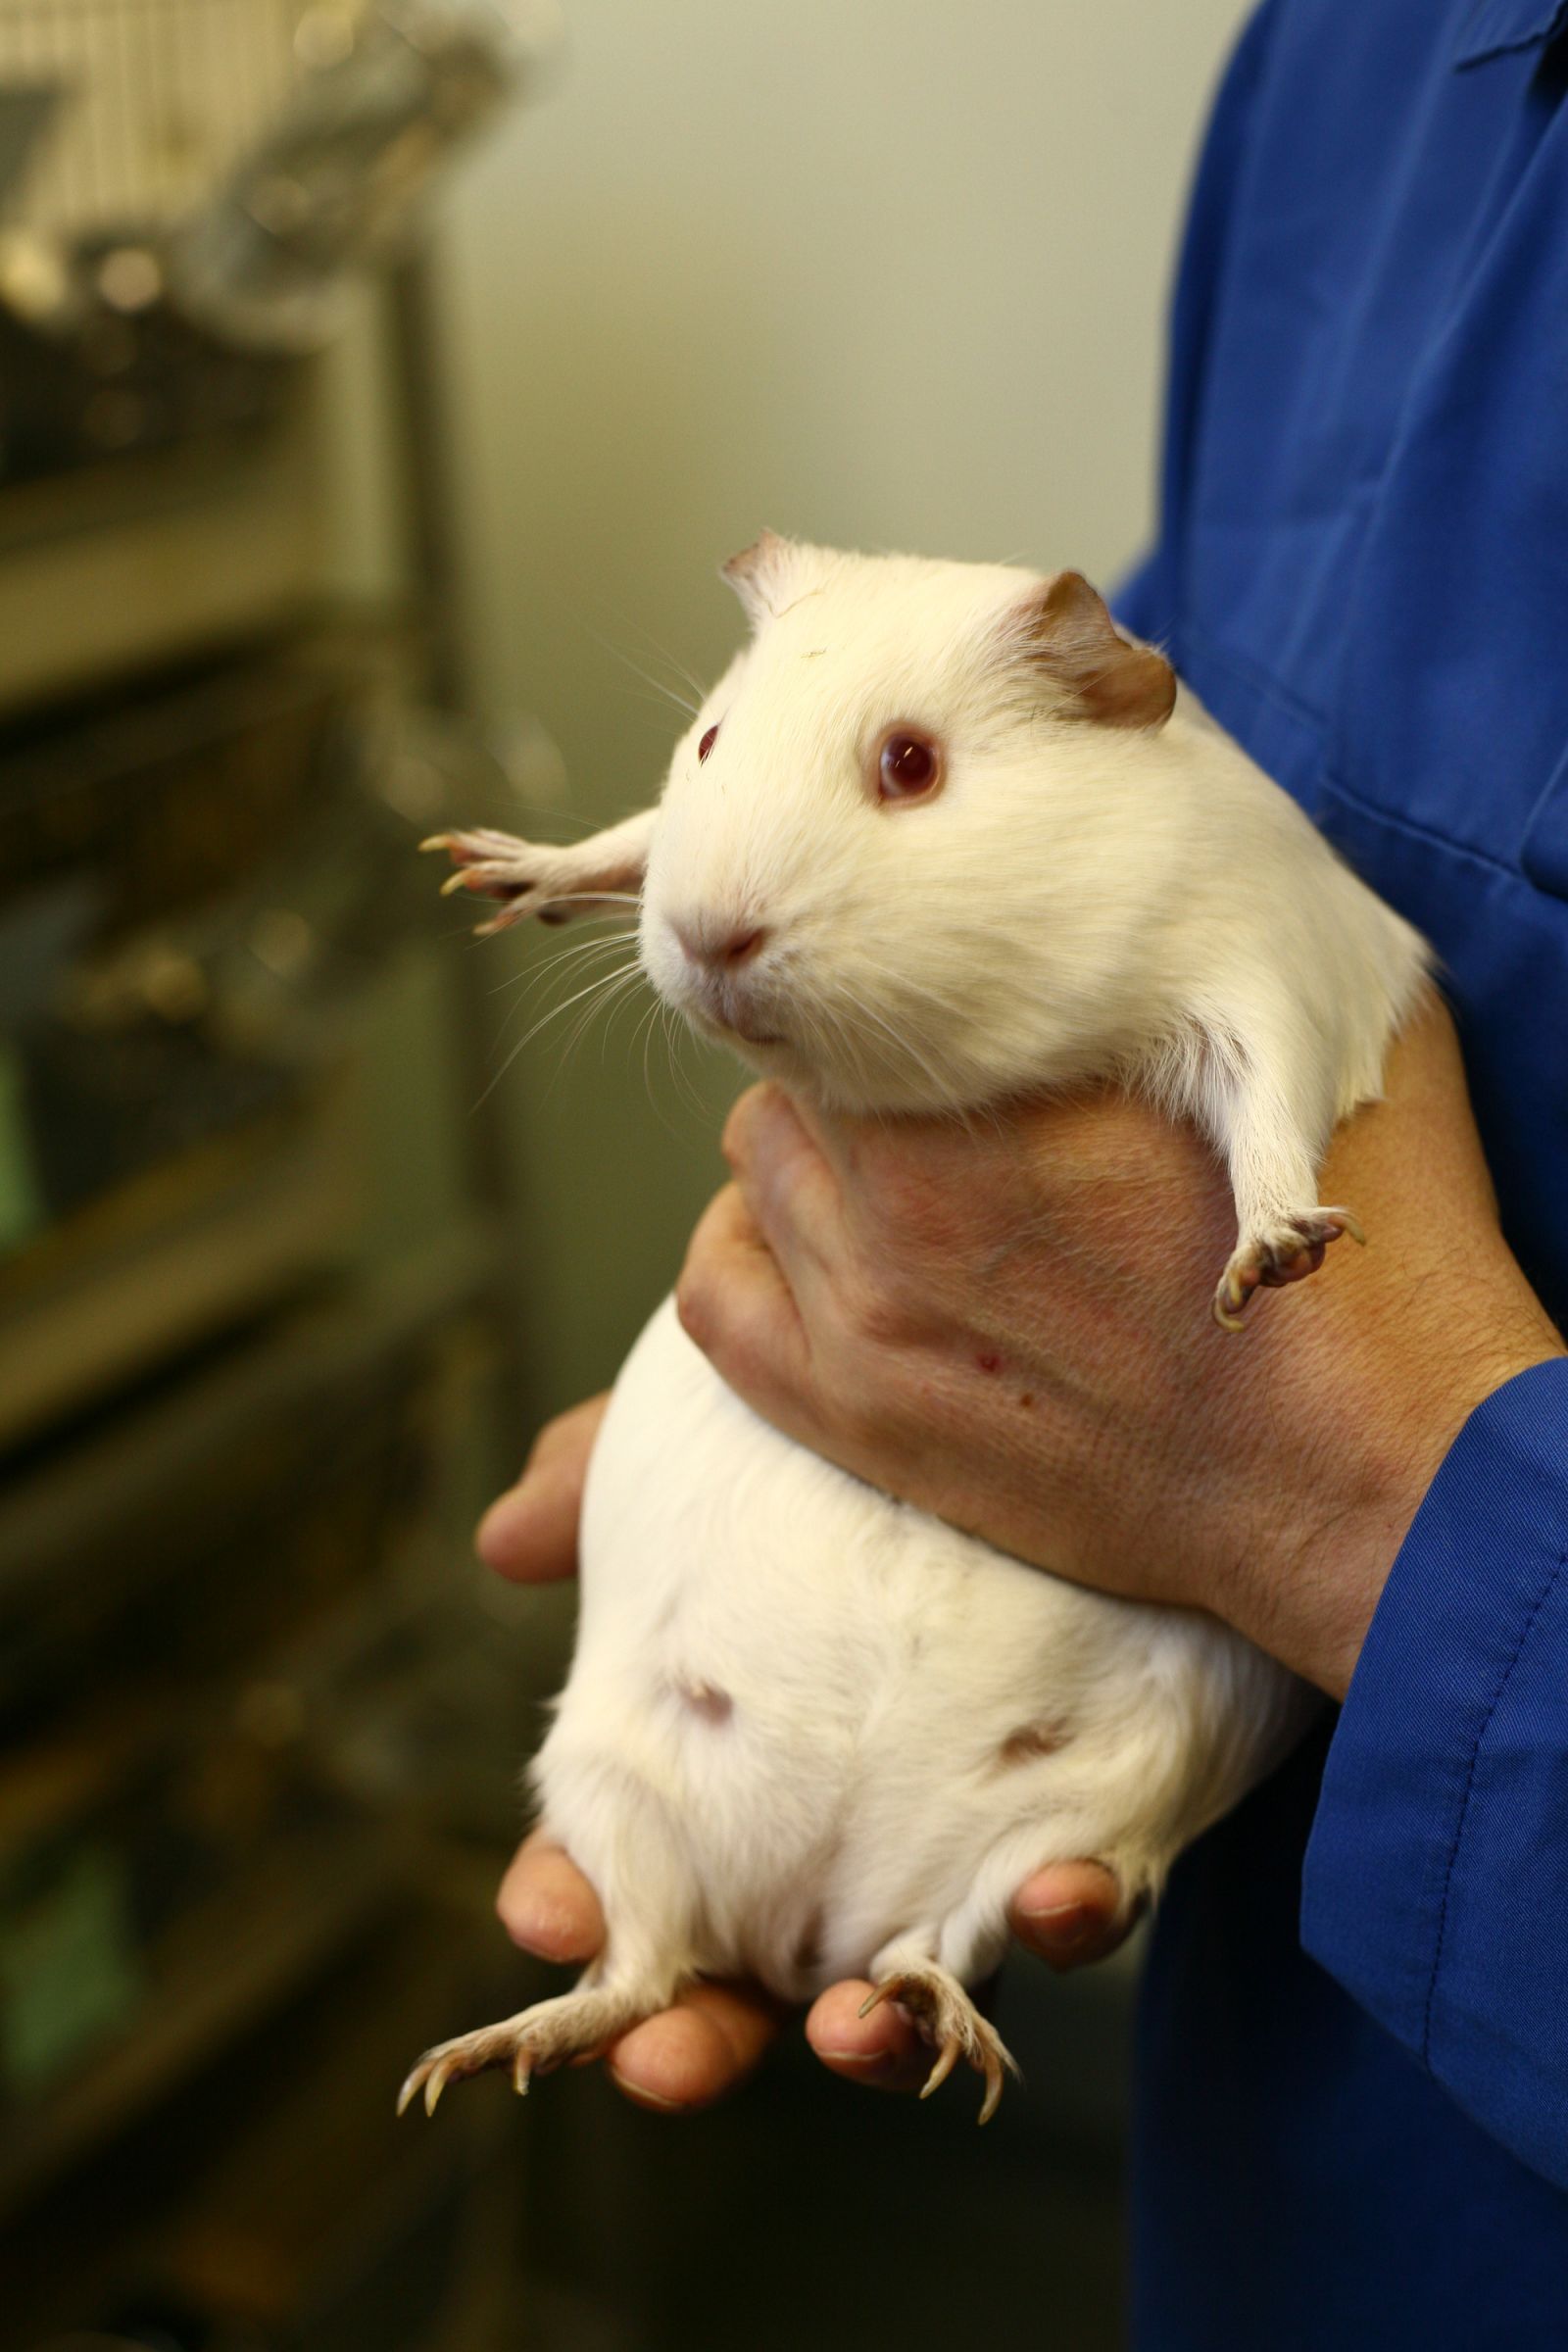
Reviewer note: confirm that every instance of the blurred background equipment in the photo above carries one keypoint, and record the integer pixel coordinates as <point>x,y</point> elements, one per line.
<point>333,187</point>
<point>256,1320</point>
<point>188,187</point>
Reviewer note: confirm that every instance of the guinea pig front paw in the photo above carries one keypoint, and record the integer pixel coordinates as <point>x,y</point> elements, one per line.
<point>1278,1254</point>
<point>945,2016</point>
<point>521,874</point>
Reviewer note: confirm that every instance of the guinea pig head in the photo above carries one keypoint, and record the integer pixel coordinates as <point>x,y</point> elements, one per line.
<point>904,857</point>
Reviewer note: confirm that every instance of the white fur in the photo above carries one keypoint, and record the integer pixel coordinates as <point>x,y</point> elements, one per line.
<point>789,1744</point>
<point>876,1663</point>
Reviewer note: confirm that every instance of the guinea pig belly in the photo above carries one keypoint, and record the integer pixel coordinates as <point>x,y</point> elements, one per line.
<point>728,1632</point>
<point>851,1719</point>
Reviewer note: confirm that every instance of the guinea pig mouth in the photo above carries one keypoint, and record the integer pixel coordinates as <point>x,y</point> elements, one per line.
<point>744,1021</point>
<point>753,1035</point>
<point>728,1004</point>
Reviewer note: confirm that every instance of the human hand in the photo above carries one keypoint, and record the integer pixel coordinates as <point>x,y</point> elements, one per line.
<point>1008,1323</point>
<point>715,2034</point>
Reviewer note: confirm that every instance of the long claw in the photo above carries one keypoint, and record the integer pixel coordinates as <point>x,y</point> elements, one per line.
<point>947,2021</point>
<point>1348,1224</point>
<point>947,2060</point>
<point>522,2072</point>
<point>440,2077</point>
<point>410,2087</point>
<point>436,841</point>
<point>457,881</point>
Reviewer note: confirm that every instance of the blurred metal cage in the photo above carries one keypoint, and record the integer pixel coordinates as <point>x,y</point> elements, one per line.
<point>141,107</point>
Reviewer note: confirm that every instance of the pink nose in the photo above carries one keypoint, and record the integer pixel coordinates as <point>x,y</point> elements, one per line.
<point>724,953</point>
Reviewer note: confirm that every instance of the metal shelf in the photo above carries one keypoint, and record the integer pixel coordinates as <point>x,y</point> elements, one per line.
<point>224,1966</point>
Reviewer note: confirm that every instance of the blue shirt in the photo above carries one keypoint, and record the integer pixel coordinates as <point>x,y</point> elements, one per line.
<point>1353,2119</point>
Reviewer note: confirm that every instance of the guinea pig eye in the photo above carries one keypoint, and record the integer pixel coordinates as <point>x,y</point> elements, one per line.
<point>708,743</point>
<point>908,766</point>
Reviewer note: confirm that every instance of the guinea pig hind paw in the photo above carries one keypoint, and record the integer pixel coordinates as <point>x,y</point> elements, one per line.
<point>468,2054</point>
<point>945,2017</point>
<point>576,2024</point>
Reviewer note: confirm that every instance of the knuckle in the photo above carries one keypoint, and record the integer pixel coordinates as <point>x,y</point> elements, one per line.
<point>732,1142</point>
<point>695,1309</point>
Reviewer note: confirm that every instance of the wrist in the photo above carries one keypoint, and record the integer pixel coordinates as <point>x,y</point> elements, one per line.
<point>1412,1417</point>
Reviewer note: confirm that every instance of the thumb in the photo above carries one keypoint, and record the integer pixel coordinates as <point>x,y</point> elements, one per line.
<point>1072,1913</point>
<point>529,1534</point>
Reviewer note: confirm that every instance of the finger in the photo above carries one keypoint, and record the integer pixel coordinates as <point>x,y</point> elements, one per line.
<point>784,1181</point>
<point>546,1904</point>
<point>531,1533</point>
<point>734,1301</point>
<point>882,2050</point>
<point>1072,1913</point>
<point>838,1138</point>
<point>691,2054</point>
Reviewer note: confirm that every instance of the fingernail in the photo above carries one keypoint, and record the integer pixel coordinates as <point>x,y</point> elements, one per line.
<point>643,2097</point>
<point>872,2061</point>
<point>1051,1911</point>
<point>559,1940</point>
<point>1068,1923</point>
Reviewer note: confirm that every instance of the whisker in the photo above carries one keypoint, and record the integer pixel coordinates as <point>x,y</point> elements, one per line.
<point>657,1013</point>
<point>902,1049</point>
<point>609,1000</point>
<point>686,676</point>
<point>601,997</point>
<point>600,943</point>
<point>637,628</point>
<point>661,698</point>
<point>965,1114</point>
<point>625,975</point>
<point>547,815</point>
<point>664,692</point>
<point>678,1035</point>
<point>580,957</point>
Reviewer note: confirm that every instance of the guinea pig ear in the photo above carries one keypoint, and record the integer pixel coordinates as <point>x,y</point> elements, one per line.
<point>1071,639</point>
<point>760,575</point>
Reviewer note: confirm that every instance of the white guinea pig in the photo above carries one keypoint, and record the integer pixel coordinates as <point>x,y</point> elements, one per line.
<point>940,835</point>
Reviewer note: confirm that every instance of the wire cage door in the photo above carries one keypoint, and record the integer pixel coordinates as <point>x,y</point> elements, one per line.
<point>118,113</point>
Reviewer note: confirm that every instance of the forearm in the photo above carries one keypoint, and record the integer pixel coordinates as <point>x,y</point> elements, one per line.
<point>1454,1348</point>
<point>1436,1886</point>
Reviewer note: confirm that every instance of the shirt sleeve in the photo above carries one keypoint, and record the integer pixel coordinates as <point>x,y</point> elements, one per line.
<point>1436,1886</point>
